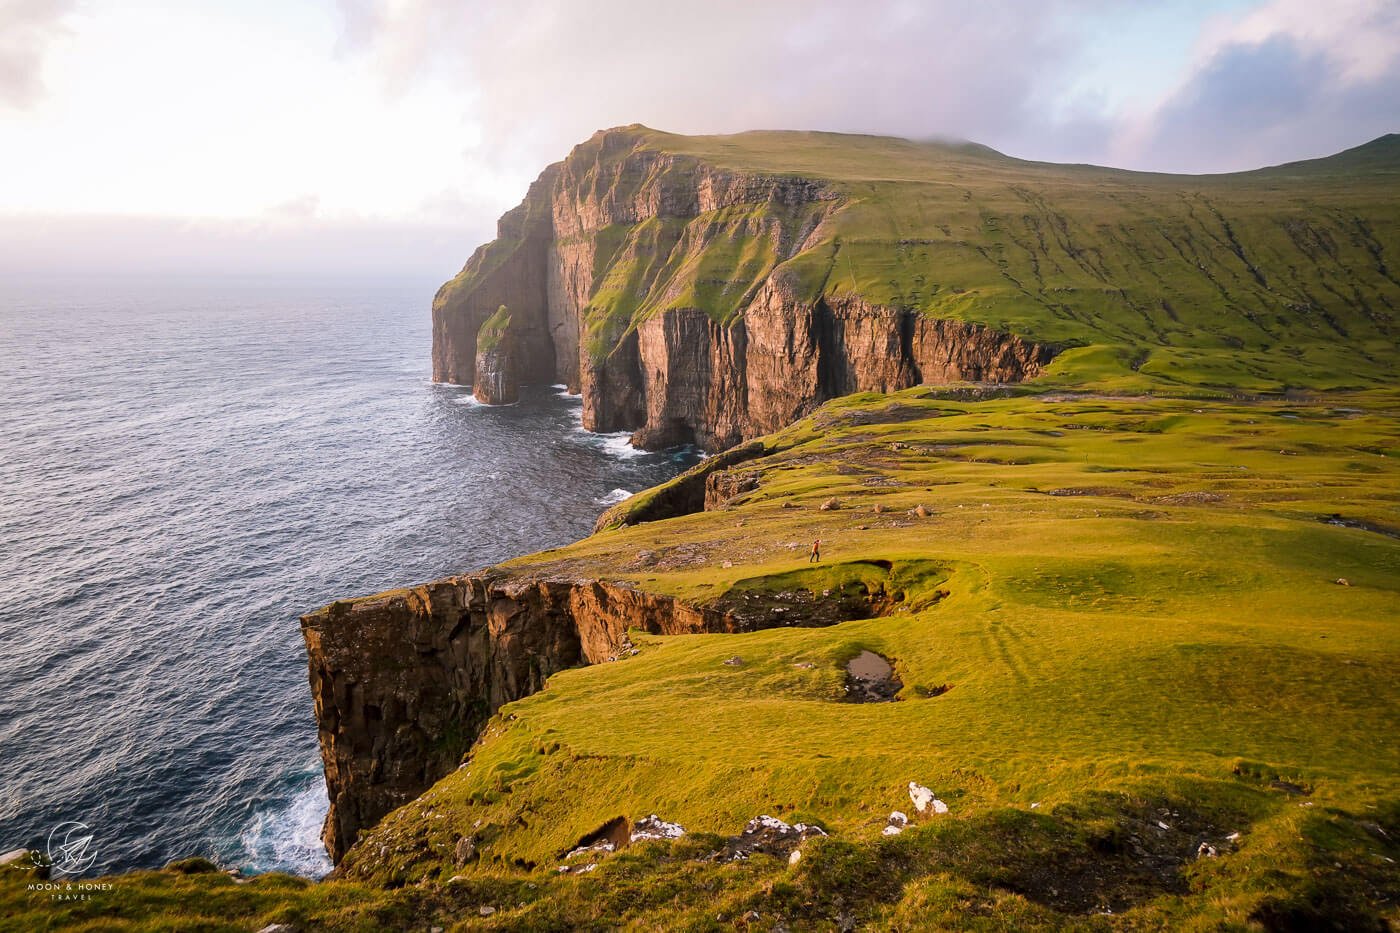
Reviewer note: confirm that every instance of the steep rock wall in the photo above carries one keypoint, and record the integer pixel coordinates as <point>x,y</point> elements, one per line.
<point>497,379</point>
<point>691,371</point>
<point>593,265</point>
<point>953,351</point>
<point>693,380</point>
<point>404,681</point>
<point>512,270</point>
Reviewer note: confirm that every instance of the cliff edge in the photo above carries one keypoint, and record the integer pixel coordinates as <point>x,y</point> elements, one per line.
<point>405,681</point>
<point>663,288</point>
<point>709,290</point>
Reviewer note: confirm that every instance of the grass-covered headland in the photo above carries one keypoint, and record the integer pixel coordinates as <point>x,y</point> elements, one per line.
<point>1131,633</point>
<point>1143,611</point>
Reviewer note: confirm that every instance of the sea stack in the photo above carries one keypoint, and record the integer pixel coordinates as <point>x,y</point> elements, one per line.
<point>496,381</point>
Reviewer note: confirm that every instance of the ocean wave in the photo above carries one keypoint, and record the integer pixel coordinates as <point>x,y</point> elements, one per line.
<point>131,489</point>
<point>287,837</point>
<point>620,445</point>
<point>617,443</point>
<point>471,401</point>
<point>614,497</point>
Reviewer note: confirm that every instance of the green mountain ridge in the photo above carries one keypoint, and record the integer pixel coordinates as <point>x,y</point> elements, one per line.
<point>1268,280</point>
<point>1381,155</point>
<point>1072,253</point>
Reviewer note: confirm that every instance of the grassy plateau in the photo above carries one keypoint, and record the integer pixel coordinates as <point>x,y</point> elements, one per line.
<point>1144,609</point>
<point>1282,275</point>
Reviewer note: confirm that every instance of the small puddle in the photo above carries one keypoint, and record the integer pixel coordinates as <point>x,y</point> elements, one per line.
<point>870,678</point>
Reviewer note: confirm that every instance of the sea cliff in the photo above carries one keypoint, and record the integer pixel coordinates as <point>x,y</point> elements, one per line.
<point>1194,488</point>
<point>709,290</point>
<point>743,344</point>
<point>404,681</point>
<point>1137,616</point>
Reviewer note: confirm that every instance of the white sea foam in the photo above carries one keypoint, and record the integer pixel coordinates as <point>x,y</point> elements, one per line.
<point>471,401</point>
<point>288,838</point>
<point>614,497</point>
<point>620,445</point>
<point>369,430</point>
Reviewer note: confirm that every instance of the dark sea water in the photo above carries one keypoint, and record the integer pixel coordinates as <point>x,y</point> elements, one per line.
<point>186,467</point>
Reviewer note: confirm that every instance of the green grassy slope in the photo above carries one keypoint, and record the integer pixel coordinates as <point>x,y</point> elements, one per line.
<point>1145,607</point>
<point>715,262</point>
<point>1133,603</point>
<point>1142,595</point>
<point>493,329</point>
<point>1289,273</point>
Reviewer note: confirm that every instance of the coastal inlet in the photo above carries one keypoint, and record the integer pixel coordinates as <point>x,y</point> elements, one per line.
<point>186,470</point>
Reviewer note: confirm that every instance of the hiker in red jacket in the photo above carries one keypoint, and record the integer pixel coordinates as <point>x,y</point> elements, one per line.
<point>816,551</point>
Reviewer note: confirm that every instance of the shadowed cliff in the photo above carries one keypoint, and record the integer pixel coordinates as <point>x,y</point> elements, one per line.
<point>404,681</point>
<point>712,289</point>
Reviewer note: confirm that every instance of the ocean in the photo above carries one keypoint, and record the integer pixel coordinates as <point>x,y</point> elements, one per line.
<point>185,468</point>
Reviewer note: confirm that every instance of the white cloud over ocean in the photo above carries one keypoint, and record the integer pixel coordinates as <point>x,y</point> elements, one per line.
<point>253,126</point>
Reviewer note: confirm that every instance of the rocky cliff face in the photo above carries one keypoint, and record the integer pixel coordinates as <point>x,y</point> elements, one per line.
<point>511,270</point>
<point>497,378</point>
<point>404,681</point>
<point>497,381</point>
<point>654,284</point>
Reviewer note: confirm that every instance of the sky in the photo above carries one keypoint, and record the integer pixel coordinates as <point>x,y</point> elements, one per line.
<point>384,137</point>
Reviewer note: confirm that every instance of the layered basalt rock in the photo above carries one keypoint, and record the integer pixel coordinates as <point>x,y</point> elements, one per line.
<point>693,491</point>
<point>512,270</point>
<point>496,381</point>
<point>497,378</point>
<point>592,264</point>
<point>404,681</point>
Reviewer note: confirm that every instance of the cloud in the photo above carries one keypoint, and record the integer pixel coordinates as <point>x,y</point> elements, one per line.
<point>27,28</point>
<point>1281,80</point>
<point>299,209</point>
<point>1289,80</point>
<point>275,244</point>
<point>398,147</point>
<point>544,74</point>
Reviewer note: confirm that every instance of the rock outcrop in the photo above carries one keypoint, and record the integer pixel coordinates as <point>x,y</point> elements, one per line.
<point>404,681</point>
<point>497,377</point>
<point>496,382</point>
<point>511,270</point>
<point>659,286</point>
<point>693,491</point>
